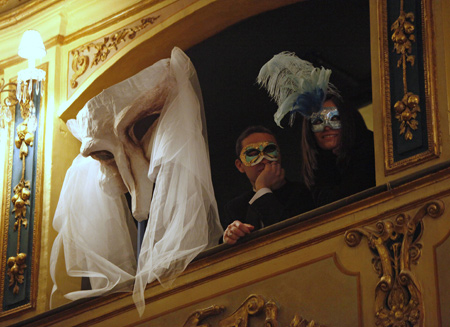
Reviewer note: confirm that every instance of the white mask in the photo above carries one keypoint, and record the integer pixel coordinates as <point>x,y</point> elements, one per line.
<point>116,128</point>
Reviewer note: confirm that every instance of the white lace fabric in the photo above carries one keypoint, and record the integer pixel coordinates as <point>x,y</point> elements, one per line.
<point>96,231</point>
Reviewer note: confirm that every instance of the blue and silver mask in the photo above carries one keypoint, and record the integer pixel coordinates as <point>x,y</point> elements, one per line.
<point>327,116</point>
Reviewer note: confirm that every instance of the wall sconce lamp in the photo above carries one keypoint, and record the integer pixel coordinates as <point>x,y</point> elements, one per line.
<point>29,82</point>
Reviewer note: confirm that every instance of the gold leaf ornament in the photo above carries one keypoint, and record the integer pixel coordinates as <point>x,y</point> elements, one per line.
<point>80,64</point>
<point>16,271</point>
<point>395,246</point>
<point>406,113</point>
<point>252,306</point>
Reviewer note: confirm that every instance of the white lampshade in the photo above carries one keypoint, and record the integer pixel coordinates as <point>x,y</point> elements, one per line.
<point>31,46</point>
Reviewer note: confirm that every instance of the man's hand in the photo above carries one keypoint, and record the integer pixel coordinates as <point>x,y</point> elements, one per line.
<point>235,231</point>
<point>271,177</point>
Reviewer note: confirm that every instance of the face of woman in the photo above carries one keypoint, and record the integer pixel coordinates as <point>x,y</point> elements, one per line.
<point>330,137</point>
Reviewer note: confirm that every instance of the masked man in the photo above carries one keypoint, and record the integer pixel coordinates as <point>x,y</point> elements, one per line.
<point>272,198</point>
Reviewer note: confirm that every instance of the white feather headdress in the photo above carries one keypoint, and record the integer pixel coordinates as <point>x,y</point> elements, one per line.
<point>295,85</point>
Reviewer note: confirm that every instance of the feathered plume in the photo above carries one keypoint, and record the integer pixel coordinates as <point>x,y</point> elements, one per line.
<point>295,85</point>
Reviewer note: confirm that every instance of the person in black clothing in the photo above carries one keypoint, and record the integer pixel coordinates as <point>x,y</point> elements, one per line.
<point>337,162</point>
<point>337,148</point>
<point>272,198</point>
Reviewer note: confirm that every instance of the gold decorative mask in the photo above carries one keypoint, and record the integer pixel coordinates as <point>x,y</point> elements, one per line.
<point>254,153</point>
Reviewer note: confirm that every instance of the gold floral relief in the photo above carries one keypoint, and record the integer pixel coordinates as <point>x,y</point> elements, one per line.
<point>22,197</point>
<point>395,247</point>
<point>403,37</point>
<point>254,305</point>
<point>94,53</point>
<point>20,201</point>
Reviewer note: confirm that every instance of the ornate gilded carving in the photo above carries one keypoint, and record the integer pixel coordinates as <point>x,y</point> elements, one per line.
<point>23,139</point>
<point>80,64</point>
<point>252,306</point>
<point>195,318</point>
<point>401,112</point>
<point>21,216</point>
<point>406,113</point>
<point>8,102</point>
<point>82,57</point>
<point>21,93</point>
<point>20,202</point>
<point>395,247</point>
<point>403,37</point>
<point>16,270</point>
<point>271,311</point>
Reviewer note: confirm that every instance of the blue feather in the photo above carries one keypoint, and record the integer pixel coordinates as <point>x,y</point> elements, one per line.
<point>309,102</point>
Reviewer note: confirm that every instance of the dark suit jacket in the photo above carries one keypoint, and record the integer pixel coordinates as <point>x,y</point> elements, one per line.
<point>290,200</point>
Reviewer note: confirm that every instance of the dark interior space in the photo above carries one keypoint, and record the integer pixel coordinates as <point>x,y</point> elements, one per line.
<point>329,33</point>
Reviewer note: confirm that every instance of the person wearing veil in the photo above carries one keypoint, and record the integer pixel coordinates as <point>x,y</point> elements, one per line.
<point>337,148</point>
<point>147,136</point>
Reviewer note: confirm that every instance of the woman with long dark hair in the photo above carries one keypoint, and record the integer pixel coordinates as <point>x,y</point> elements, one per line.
<point>337,148</point>
<point>337,162</point>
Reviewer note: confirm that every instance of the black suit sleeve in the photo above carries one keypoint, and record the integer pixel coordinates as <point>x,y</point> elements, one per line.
<point>289,201</point>
<point>237,209</point>
<point>268,210</point>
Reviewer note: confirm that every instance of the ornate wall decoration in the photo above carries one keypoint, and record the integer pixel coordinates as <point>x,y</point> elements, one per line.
<point>403,37</point>
<point>22,199</point>
<point>410,115</point>
<point>8,103</point>
<point>94,53</point>
<point>395,247</point>
<point>252,306</point>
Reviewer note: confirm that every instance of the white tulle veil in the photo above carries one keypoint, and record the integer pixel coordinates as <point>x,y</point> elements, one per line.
<point>96,231</point>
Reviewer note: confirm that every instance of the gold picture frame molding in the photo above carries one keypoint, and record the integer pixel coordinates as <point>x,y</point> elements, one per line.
<point>431,109</point>
<point>36,242</point>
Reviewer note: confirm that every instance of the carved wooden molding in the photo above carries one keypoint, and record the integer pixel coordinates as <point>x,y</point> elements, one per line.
<point>94,53</point>
<point>394,245</point>
<point>252,306</point>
